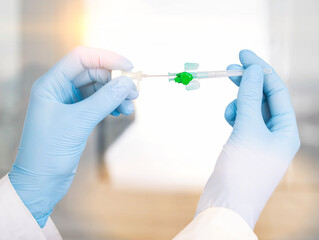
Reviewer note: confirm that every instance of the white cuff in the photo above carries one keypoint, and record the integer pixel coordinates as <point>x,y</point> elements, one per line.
<point>217,223</point>
<point>16,222</point>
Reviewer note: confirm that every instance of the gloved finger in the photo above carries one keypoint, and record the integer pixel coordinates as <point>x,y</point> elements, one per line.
<point>126,107</point>
<point>87,91</point>
<point>90,89</point>
<point>231,112</point>
<point>83,58</point>
<point>115,113</point>
<point>109,98</point>
<point>274,88</point>
<point>235,80</point>
<point>249,98</point>
<point>92,75</point>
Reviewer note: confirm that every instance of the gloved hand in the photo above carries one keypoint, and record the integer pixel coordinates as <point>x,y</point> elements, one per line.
<point>262,144</point>
<point>59,121</point>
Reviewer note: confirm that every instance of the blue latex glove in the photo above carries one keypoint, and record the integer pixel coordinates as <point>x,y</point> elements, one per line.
<point>59,121</point>
<point>262,144</point>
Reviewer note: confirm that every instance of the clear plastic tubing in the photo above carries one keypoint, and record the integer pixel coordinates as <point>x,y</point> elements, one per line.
<point>218,74</point>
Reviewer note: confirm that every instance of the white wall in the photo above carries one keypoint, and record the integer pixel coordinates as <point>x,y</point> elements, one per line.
<point>10,39</point>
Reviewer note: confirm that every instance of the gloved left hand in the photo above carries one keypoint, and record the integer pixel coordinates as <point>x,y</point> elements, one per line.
<point>59,121</point>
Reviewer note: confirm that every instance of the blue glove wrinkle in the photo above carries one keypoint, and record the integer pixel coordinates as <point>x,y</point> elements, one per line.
<point>77,93</point>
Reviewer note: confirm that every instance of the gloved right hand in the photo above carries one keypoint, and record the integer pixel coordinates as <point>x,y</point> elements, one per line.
<point>59,121</point>
<point>262,144</point>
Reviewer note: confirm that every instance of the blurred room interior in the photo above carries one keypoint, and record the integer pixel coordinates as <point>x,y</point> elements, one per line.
<point>141,176</point>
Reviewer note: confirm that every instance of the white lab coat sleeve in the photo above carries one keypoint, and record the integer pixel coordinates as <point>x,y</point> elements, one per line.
<point>217,224</point>
<point>16,222</point>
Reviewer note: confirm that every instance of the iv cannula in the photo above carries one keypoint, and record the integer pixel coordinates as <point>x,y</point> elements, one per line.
<point>190,76</point>
<point>213,74</point>
<point>198,75</point>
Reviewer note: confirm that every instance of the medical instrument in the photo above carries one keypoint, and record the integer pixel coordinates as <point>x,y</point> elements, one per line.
<point>190,76</point>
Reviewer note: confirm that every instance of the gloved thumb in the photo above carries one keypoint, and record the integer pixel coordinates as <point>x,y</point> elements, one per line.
<point>250,93</point>
<point>108,98</point>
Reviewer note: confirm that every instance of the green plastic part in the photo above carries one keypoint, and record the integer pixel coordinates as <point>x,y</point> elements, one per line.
<point>184,78</point>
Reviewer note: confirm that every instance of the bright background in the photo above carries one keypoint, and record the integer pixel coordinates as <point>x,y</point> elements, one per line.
<point>186,130</point>
<point>141,176</point>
